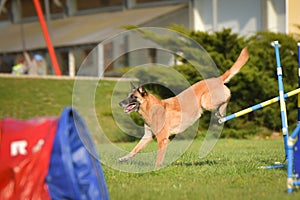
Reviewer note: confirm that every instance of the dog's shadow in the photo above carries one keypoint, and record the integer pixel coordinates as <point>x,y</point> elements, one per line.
<point>197,163</point>
<point>139,163</point>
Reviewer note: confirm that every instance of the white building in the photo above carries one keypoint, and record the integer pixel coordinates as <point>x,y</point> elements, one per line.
<point>242,16</point>
<point>77,27</point>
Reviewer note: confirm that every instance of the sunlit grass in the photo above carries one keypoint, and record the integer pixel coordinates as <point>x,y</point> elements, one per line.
<point>230,171</point>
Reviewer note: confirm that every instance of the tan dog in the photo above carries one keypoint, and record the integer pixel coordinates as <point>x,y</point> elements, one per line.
<point>167,117</point>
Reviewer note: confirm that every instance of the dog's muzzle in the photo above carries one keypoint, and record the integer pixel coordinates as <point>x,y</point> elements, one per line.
<point>129,107</point>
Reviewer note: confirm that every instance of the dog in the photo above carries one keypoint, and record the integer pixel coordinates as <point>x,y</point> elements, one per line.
<point>167,117</point>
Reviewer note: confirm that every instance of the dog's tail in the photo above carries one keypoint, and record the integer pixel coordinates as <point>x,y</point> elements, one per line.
<point>239,63</point>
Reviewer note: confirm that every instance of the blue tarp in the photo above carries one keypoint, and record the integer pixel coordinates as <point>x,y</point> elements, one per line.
<point>75,171</point>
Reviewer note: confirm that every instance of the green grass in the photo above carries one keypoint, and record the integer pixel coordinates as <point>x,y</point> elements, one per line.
<point>26,98</point>
<point>230,171</point>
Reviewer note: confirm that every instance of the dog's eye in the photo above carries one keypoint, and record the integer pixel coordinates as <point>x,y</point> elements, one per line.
<point>132,96</point>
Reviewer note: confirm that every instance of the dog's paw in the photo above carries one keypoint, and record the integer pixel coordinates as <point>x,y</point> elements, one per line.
<point>123,159</point>
<point>219,115</point>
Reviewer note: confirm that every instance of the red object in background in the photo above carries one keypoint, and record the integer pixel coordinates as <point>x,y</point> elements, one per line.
<point>25,149</point>
<point>47,37</point>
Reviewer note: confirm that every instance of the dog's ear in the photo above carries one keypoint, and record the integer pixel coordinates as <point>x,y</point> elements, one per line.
<point>132,86</point>
<point>142,91</point>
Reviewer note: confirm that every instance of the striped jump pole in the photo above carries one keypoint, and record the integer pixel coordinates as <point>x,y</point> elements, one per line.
<point>283,114</point>
<point>258,106</point>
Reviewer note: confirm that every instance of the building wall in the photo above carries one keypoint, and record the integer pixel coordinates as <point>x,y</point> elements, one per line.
<point>243,17</point>
<point>275,15</point>
<point>294,17</point>
<point>202,15</point>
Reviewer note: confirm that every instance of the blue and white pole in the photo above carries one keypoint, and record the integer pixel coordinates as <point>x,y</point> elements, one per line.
<point>292,139</point>
<point>290,159</point>
<point>281,98</point>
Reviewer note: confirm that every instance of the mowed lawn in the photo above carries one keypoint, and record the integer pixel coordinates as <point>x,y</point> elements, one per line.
<point>231,171</point>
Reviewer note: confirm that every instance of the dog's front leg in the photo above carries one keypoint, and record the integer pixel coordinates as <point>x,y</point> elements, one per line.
<point>146,139</point>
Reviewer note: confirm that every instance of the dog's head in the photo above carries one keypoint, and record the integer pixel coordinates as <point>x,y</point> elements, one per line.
<point>134,99</point>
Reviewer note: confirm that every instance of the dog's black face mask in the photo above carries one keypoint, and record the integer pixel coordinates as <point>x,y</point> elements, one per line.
<point>133,101</point>
<point>130,104</point>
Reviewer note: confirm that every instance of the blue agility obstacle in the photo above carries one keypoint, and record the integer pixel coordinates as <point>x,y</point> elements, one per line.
<point>49,158</point>
<point>293,147</point>
<point>291,142</point>
<point>75,170</point>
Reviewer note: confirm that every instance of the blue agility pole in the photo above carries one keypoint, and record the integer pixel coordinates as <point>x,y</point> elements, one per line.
<point>275,166</point>
<point>290,159</point>
<point>258,106</point>
<point>293,143</point>
<point>283,114</point>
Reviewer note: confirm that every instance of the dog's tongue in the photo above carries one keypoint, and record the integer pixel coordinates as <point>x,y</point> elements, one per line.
<point>129,108</point>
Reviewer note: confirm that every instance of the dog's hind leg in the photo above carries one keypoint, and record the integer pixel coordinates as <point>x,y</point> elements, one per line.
<point>221,111</point>
<point>146,139</point>
<point>163,141</point>
<point>162,147</point>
